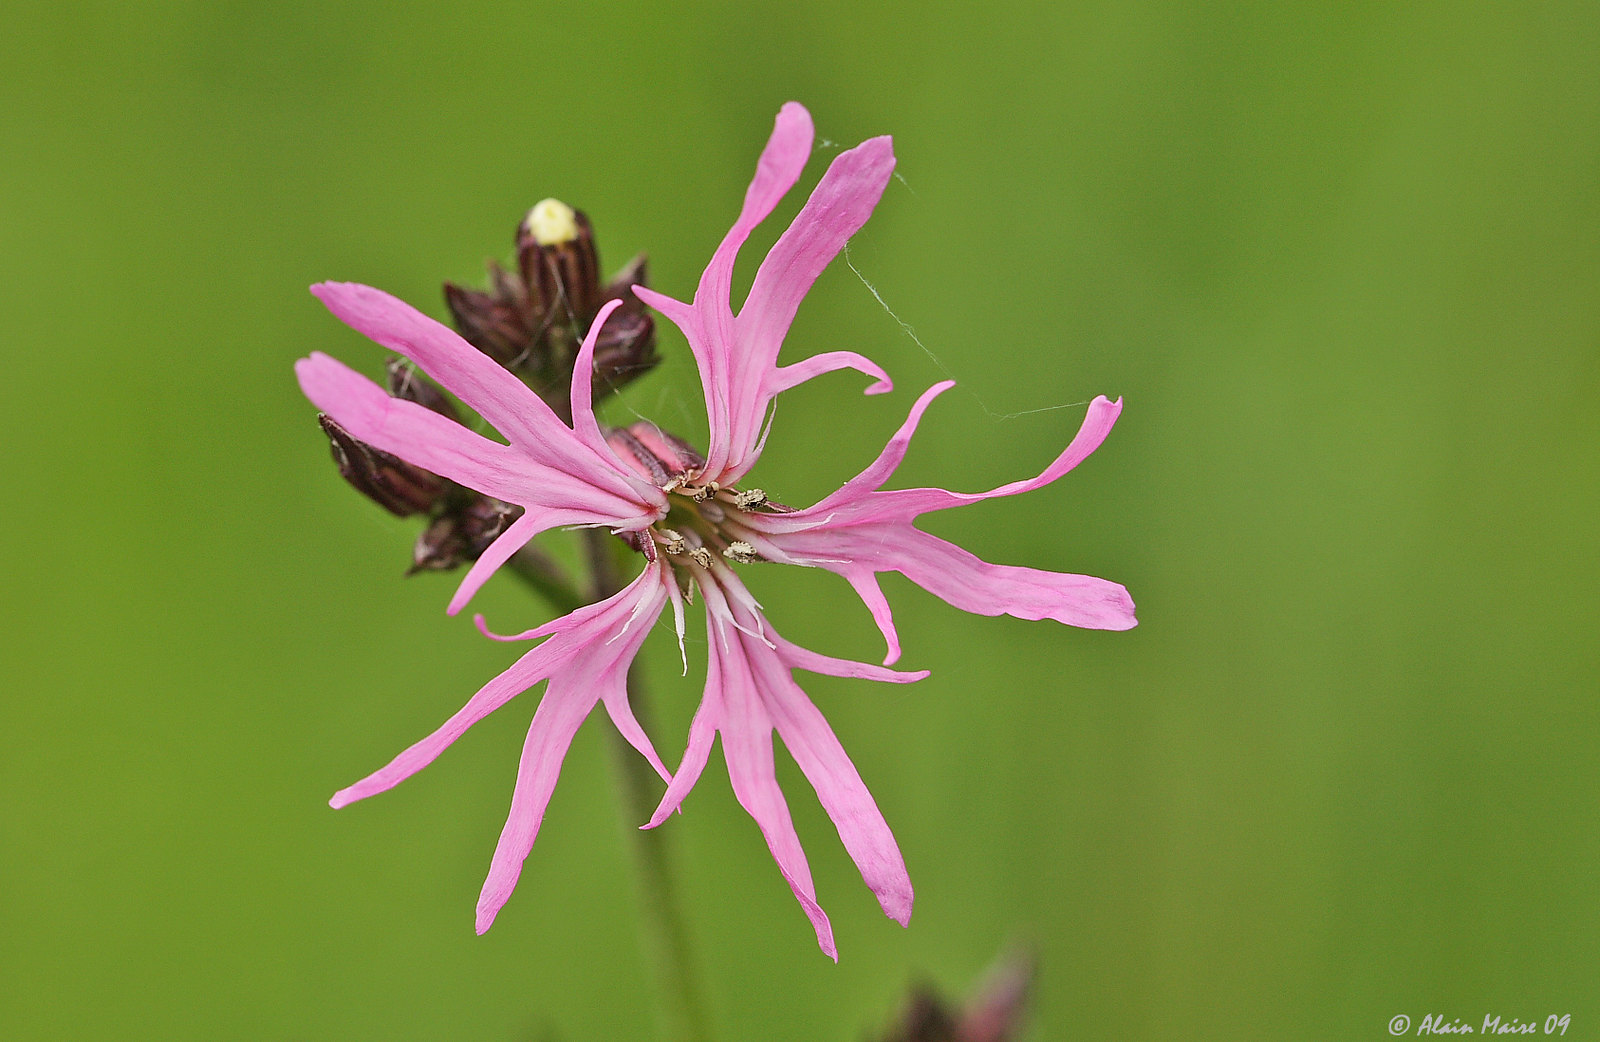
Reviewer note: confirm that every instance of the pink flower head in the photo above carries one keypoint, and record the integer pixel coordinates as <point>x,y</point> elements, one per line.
<point>695,527</point>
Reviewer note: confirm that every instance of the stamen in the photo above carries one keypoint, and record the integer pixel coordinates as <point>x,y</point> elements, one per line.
<point>675,544</point>
<point>740,552</point>
<point>705,492</point>
<point>701,556</point>
<point>750,497</point>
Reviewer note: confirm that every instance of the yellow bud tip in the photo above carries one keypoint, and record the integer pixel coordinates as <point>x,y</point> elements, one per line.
<point>551,222</point>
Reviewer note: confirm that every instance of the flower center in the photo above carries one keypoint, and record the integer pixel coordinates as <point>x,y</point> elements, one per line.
<point>704,519</point>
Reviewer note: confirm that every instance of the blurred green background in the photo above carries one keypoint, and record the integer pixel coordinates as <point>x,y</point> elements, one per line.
<point>1341,261</point>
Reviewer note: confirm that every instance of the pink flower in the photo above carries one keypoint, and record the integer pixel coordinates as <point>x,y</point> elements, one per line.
<point>695,526</point>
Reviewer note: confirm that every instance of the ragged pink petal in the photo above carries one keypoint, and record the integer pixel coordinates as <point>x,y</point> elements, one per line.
<point>836,210</point>
<point>597,672</point>
<point>414,433</point>
<point>750,692</point>
<point>737,358</point>
<point>861,530</point>
<point>710,327</point>
<point>785,377</point>
<point>747,745</point>
<point>491,391</point>
<point>554,723</point>
<point>439,445</point>
<point>839,787</point>
<point>585,658</point>
<point>504,547</point>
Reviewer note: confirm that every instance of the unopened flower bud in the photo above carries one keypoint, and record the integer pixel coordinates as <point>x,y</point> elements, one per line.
<point>391,482</point>
<point>404,381</point>
<point>655,455</point>
<point>994,1014</point>
<point>462,532</point>
<point>560,265</point>
<point>533,321</point>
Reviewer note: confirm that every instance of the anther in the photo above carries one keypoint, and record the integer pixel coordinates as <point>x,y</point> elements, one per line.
<point>705,492</point>
<point>750,497</point>
<point>701,556</point>
<point>674,541</point>
<point>740,552</point>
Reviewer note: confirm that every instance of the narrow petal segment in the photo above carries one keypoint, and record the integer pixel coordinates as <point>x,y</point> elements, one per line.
<point>585,657</point>
<point>738,356</point>
<point>750,693</point>
<point>862,530</point>
<point>599,672</point>
<point>491,391</point>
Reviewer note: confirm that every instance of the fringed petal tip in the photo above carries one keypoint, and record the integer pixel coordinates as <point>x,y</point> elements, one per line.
<point>483,628</point>
<point>896,904</point>
<point>1120,614</point>
<point>346,298</point>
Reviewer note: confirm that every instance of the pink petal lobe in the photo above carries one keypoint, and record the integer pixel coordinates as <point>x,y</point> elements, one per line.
<point>702,733</point>
<point>527,671</point>
<point>460,368</point>
<point>776,172</point>
<point>554,723</point>
<point>789,376</point>
<point>836,210</point>
<point>747,744</point>
<point>882,468</point>
<point>415,434</point>
<point>505,546</point>
<point>827,665</point>
<point>855,504</point>
<point>971,584</point>
<point>678,312</point>
<point>843,795</point>
<point>613,681</point>
<point>956,576</point>
<point>584,424</point>
<point>865,582</point>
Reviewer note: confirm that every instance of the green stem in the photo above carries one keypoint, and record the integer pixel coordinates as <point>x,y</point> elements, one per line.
<point>547,578</point>
<point>664,935</point>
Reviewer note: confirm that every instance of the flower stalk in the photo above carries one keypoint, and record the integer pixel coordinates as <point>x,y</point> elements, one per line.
<point>663,931</point>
